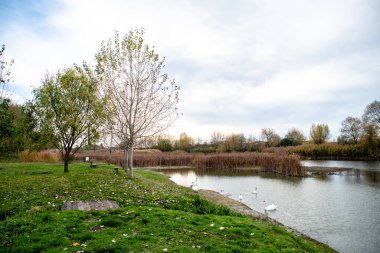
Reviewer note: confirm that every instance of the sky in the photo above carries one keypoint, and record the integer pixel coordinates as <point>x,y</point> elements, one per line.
<point>242,65</point>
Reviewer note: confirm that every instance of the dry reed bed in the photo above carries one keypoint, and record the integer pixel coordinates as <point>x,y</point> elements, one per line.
<point>42,156</point>
<point>270,162</point>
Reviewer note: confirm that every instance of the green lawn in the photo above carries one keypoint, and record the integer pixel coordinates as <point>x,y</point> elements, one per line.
<point>155,215</point>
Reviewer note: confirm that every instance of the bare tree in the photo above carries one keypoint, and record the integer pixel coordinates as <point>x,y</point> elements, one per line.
<point>270,137</point>
<point>217,137</point>
<point>351,129</point>
<point>108,138</point>
<point>5,74</point>
<point>141,99</point>
<point>372,114</point>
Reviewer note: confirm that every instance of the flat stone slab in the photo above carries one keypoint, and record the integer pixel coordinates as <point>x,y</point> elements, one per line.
<point>89,205</point>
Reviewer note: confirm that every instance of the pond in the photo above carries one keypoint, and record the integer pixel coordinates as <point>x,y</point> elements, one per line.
<point>341,209</point>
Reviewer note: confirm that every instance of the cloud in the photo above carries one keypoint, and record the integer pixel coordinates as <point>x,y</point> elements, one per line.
<point>241,66</point>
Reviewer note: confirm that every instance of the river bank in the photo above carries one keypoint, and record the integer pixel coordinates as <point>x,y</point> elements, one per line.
<point>155,215</point>
<point>240,207</point>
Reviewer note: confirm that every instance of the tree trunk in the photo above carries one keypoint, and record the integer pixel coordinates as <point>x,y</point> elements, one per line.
<point>130,163</point>
<point>125,159</point>
<point>65,163</point>
<point>110,156</point>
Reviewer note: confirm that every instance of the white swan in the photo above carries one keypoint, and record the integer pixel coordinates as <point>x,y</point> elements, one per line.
<point>225,193</point>
<point>271,207</point>
<point>254,191</point>
<point>195,186</point>
<point>240,197</point>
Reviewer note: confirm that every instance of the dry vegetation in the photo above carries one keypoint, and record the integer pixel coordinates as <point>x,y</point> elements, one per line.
<point>47,156</point>
<point>324,151</point>
<point>271,162</point>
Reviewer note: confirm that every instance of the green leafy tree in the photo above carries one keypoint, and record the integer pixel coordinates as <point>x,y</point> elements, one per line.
<point>141,98</point>
<point>235,142</point>
<point>351,130</point>
<point>294,137</point>
<point>68,104</point>
<point>319,133</point>
<point>6,115</point>
<point>31,132</point>
<point>184,142</point>
<point>370,139</point>
<point>6,126</point>
<point>163,144</point>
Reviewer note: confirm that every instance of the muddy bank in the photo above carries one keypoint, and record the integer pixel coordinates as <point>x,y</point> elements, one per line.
<point>245,210</point>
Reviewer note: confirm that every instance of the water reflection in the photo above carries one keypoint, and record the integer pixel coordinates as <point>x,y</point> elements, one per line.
<point>341,208</point>
<point>190,174</point>
<point>362,165</point>
<point>352,176</point>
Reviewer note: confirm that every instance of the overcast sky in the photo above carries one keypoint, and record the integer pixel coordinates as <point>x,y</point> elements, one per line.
<point>241,65</point>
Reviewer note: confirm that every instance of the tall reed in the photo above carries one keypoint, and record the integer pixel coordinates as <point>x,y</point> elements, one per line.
<point>272,162</point>
<point>42,156</point>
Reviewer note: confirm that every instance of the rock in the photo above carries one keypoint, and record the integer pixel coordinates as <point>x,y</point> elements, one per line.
<point>89,205</point>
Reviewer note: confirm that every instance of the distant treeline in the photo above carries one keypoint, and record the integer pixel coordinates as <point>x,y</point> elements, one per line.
<point>359,139</point>
<point>327,151</point>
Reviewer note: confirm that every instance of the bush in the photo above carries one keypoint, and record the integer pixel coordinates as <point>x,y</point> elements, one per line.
<point>331,150</point>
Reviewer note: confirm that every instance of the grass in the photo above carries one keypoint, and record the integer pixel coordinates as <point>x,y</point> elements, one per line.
<point>155,215</point>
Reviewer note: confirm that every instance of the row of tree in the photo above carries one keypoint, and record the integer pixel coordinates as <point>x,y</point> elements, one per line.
<point>354,131</point>
<point>126,99</point>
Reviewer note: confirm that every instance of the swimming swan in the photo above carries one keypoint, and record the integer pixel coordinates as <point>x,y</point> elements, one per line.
<point>271,207</point>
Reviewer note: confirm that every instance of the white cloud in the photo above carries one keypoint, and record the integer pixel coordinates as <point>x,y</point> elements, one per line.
<point>232,59</point>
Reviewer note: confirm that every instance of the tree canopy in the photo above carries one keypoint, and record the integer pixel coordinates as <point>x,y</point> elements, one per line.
<point>5,73</point>
<point>319,133</point>
<point>372,114</point>
<point>140,97</point>
<point>295,136</point>
<point>351,129</point>
<point>68,105</point>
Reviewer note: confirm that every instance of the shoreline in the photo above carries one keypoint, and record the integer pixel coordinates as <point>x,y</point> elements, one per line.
<point>243,209</point>
<point>239,207</point>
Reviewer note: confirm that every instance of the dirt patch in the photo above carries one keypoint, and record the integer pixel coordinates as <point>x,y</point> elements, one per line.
<point>89,205</point>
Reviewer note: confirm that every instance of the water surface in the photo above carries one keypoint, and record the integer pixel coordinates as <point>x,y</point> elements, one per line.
<point>362,165</point>
<point>342,210</point>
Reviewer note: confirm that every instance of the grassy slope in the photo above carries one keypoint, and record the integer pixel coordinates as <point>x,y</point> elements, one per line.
<point>156,215</point>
